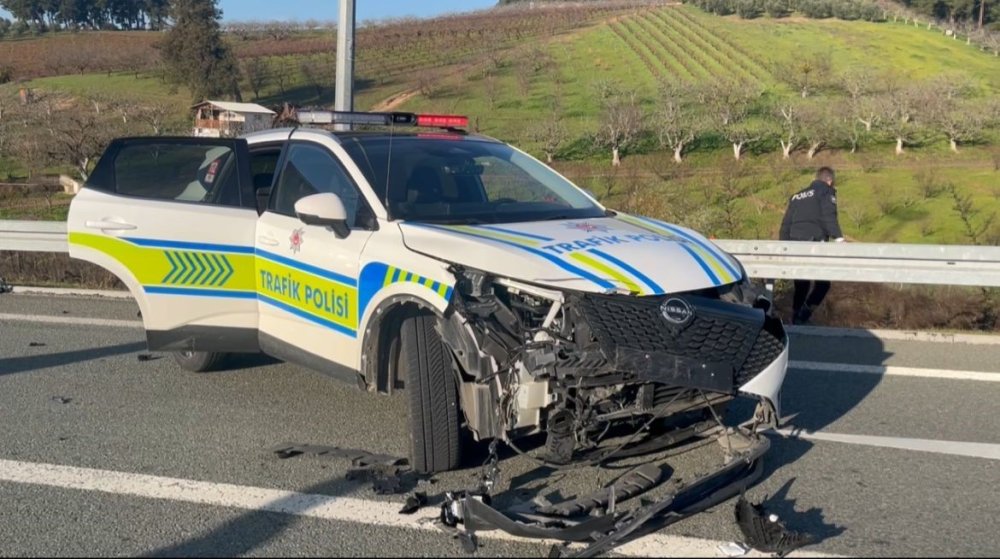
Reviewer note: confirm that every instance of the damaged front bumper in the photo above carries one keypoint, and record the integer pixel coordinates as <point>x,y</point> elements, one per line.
<point>613,526</point>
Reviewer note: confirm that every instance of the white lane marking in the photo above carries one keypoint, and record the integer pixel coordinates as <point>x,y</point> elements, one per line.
<point>342,509</point>
<point>890,370</point>
<point>954,448</point>
<point>71,292</point>
<point>896,335</point>
<point>47,319</point>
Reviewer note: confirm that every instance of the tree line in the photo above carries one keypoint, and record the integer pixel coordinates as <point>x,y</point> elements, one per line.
<point>37,16</point>
<point>850,111</point>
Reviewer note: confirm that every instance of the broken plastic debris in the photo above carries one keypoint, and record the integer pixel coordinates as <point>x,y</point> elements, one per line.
<point>61,399</point>
<point>765,532</point>
<point>36,344</point>
<point>733,549</point>
<point>414,501</point>
<point>148,357</point>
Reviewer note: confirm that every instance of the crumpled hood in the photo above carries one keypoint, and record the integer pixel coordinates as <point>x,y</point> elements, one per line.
<point>642,255</point>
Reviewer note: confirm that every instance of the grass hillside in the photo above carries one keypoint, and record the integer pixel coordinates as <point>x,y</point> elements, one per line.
<point>508,69</point>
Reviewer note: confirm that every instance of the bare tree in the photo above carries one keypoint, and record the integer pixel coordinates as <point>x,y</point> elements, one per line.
<point>960,121</point>
<point>807,74</point>
<point>788,114</point>
<point>621,124</point>
<point>819,127</point>
<point>731,102</point>
<point>523,74</point>
<point>742,133</point>
<point>899,116</point>
<point>676,122</point>
<point>154,116</point>
<point>867,110</point>
<point>255,73</point>
<point>551,133</point>
<point>858,82</point>
<point>491,90</point>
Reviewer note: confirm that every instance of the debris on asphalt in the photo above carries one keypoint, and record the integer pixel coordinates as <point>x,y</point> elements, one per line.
<point>765,532</point>
<point>358,458</point>
<point>148,357</point>
<point>734,549</point>
<point>5,287</point>
<point>61,399</point>
<point>414,502</point>
<point>385,479</point>
<point>36,344</point>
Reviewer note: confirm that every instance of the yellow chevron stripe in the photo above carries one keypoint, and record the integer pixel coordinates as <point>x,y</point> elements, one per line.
<point>388,276</point>
<point>494,235</point>
<point>593,264</point>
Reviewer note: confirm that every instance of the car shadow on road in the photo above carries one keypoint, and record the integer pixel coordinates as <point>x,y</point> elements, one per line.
<point>28,363</point>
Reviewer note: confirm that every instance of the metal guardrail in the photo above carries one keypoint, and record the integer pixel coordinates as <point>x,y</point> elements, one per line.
<point>861,262</point>
<point>33,236</point>
<point>869,262</point>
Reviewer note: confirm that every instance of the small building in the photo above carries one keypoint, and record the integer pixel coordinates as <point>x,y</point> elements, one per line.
<point>218,119</point>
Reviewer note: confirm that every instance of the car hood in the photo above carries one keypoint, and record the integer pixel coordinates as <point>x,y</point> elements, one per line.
<point>641,255</point>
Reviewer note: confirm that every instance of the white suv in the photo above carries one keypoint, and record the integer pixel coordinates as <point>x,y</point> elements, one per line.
<point>505,300</point>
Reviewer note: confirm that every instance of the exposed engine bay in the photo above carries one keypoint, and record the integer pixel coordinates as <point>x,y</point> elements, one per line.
<point>608,376</point>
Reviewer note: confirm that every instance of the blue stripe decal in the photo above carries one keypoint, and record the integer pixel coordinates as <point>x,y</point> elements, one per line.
<point>310,317</point>
<point>228,293</point>
<point>557,261</point>
<point>352,282</point>
<point>447,294</point>
<point>704,266</point>
<point>514,233</point>
<point>631,270</point>
<point>711,250</point>
<point>158,243</point>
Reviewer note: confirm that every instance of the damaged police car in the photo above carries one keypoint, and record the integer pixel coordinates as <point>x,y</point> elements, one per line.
<point>505,300</point>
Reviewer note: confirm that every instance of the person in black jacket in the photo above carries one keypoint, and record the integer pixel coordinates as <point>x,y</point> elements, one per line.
<point>812,216</point>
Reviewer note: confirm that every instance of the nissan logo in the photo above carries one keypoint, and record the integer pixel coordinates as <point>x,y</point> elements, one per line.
<point>676,311</point>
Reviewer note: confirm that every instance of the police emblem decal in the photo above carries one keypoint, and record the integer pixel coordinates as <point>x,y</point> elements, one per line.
<point>296,239</point>
<point>588,227</point>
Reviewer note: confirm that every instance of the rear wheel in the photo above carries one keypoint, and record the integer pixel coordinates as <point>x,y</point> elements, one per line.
<point>199,361</point>
<point>433,394</point>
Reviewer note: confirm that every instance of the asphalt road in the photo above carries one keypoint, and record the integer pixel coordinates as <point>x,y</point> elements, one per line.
<point>100,452</point>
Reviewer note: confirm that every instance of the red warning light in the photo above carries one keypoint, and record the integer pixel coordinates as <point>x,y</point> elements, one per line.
<point>443,121</point>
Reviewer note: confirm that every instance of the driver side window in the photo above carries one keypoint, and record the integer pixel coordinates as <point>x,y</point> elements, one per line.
<point>312,169</point>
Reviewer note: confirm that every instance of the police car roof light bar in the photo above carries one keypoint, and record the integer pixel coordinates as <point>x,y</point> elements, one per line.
<point>382,119</point>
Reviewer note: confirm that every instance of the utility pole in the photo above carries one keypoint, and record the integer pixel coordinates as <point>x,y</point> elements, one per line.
<point>345,60</point>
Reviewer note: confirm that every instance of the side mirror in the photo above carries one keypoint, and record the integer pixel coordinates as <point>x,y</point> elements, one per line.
<point>326,210</point>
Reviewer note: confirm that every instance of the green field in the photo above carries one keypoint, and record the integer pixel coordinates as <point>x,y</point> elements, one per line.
<point>883,197</point>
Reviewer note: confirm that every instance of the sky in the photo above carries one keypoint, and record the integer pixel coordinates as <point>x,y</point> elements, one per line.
<point>326,10</point>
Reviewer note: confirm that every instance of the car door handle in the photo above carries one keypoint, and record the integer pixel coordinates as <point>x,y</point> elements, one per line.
<point>267,241</point>
<point>109,225</point>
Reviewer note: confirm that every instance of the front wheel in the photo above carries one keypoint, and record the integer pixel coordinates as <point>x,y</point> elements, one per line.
<point>199,361</point>
<point>433,394</point>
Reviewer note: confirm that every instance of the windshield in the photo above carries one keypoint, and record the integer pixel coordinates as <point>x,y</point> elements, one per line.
<point>460,180</point>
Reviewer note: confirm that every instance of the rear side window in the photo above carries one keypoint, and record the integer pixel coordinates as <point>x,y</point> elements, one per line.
<point>182,172</point>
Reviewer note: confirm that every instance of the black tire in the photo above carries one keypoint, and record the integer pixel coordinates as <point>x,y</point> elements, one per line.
<point>199,361</point>
<point>431,387</point>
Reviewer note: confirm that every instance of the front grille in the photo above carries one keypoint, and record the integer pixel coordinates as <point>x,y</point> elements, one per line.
<point>720,332</point>
<point>766,349</point>
<point>636,323</point>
